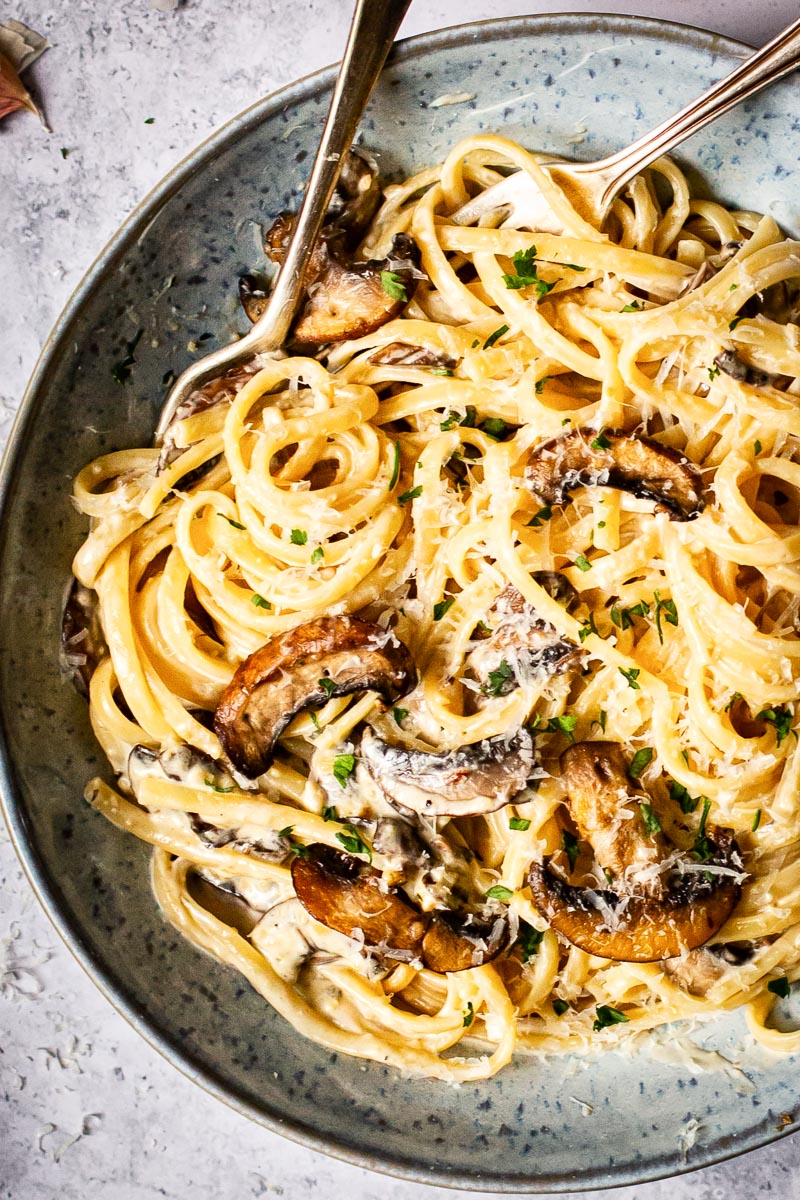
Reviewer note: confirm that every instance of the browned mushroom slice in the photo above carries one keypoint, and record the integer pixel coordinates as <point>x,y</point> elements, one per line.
<point>645,929</point>
<point>224,903</point>
<point>454,783</point>
<point>605,804</point>
<point>252,297</point>
<point>357,195</point>
<point>529,646</point>
<point>353,300</point>
<point>640,465</point>
<point>345,894</point>
<point>83,643</point>
<point>698,971</point>
<point>400,354</point>
<point>303,668</point>
<point>453,943</point>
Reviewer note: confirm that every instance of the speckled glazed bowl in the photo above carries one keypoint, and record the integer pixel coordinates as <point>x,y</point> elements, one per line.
<point>575,85</point>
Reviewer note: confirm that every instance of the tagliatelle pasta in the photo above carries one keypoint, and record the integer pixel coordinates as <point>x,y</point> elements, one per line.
<point>389,477</point>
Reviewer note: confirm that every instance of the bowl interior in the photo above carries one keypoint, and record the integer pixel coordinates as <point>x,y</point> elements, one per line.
<point>576,85</point>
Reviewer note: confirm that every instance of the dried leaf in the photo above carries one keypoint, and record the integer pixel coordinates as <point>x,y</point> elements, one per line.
<point>19,47</point>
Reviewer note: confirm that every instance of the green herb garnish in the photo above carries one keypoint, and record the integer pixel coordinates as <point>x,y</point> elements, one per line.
<point>494,337</point>
<point>298,537</point>
<point>216,787</point>
<point>601,442</point>
<point>497,679</point>
<point>393,285</point>
<point>650,818</point>
<point>606,1015</point>
<point>330,813</point>
<point>529,940</point>
<point>565,724</point>
<point>780,719</point>
<point>395,468</point>
<point>441,608</point>
<point>779,987</point>
<point>495,428</point>
<point>259,601</point>
<point>582,563</point>
<point>519,823</point>
<point>499,892</point>
<point>539,518</point>
<point>399,714</point>
<point>665,610</point>
<point>328,686</point>
<point>351,839</point>
<point>569,844</point>
<point>560,1007</point>
<point>756,821</point>
<point>410,495</point>
<point>317,554</point>
<point>634,306</point>
<point>640,761</point>
<point>469,1015</point>
<point>632,674</point>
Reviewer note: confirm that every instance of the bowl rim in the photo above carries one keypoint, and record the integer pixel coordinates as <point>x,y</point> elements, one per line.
<point>21,833</point>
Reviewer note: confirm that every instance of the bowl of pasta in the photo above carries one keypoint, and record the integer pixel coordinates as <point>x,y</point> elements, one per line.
<point>435,800</point>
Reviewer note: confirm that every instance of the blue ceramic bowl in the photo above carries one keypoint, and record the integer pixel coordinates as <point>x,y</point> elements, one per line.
<point>575,85</point>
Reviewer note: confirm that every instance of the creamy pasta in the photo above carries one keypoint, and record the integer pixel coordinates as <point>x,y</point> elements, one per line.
<point>491,480</point>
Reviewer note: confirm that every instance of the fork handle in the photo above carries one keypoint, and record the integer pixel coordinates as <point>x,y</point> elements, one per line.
<point>372,31</point>
<point>778,58</point>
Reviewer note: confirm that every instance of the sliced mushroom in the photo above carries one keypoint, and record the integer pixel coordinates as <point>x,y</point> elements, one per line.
<point>731,364</point>
<point>183,764</point>
<point>222,901</point>
<point>401,354</point>
<point>605,804</point>
<point>698,971</point>
<point>253,297</point>
<point>83,644</point>
<point>351,300</point>
<point>528,645</point>
<point>345,894</point>
<point>640,465</point>
<point>455,783</point>
<point>645,929</point>
<point>357,195</point>
<point>303,668</point>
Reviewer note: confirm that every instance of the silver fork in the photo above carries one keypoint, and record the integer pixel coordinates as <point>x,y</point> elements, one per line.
<point>372,31</point>
<point>592,187</point>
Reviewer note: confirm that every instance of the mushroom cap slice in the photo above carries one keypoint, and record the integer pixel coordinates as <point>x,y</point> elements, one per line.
<point>604,803</point>
<point>636,464</point>
<point>83,643</point>
<point>253,297</point>
<point>304,668</point>
<point>345,894</point>
<point>455,944</point>
<point>523,640</point>
<point>349,300</point>
<point>453,783</point>
<point>643,928</point>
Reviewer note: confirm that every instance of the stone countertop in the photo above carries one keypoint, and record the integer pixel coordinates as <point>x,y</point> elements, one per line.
<point>87,1109</point>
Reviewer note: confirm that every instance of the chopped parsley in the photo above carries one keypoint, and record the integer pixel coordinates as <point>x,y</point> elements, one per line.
<point>539,388</point>
<point>702,847</point>
<point>317,554</point>
<point>393,285</point>
<point>475,344</point>
<point>735,322</point>
<point>343,767</point>
<point>64,151</point>
<point>298,537</point>
<point>395,468</point>
<point>650,818</point>
<point>399,714</point>
<point>121,371</point>
<point>601,720</point>
<point>466,422</point>
<point>588,627</point>
<point>757,447</point>
<point>582,563</point>
<point>756,821</point>
<point>569,844</point>
<point>328,686</point>
<point>632,674</point>
<point>216,787</point>
<point>499,892</point>
<point>529,940</point>
<point>539,518</point>
<point>498,679</point>
<point>519,823</point>
<point>666,611</point>
<point>678,792</point>
<point>495,428</point>
<point>606,1015</point>
<point>566,725</point>
<point>495,337</point>
<point>640,761</point>
<point>315,721</point>
<point>259,601</point>
<point>351,839</point>
<point>526,273</point>
<point>560,1007</point>
<point>780,719</point>
<point>287,832</point>
<point>469,1015</point>
<point>623,617</point>
<point>441,608</point>
<point>736,696</point>
<point>149,120</point>
<point>230,520</point>
<point>779,987</point>
<point>442,371</point>
<point>573,266</point>
<point>410,495</point>
<point>713,372</point>
<point>330,813</point>
<point>634,306</point>
<point>601,442</point>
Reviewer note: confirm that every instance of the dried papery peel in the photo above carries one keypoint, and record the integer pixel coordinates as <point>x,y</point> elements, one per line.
<point>19,47</point>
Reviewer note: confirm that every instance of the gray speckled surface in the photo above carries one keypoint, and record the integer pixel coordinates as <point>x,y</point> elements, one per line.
<point>87,1108</point>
